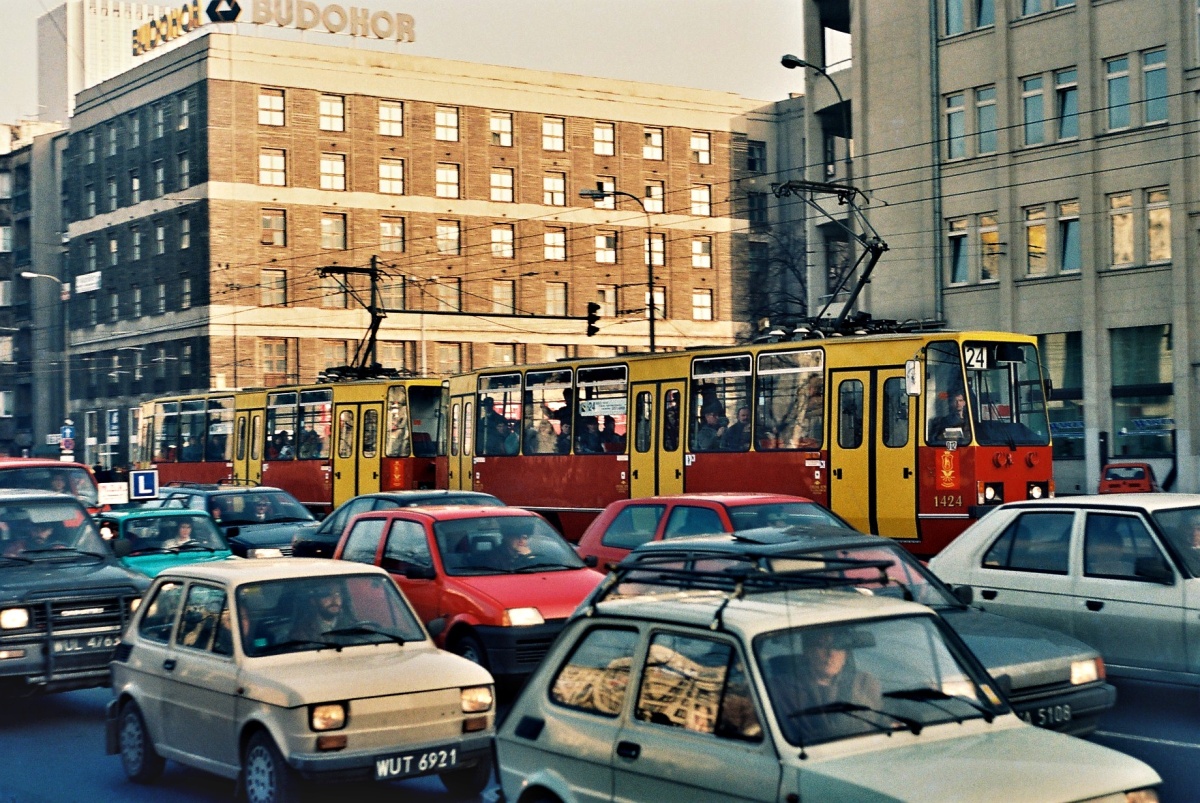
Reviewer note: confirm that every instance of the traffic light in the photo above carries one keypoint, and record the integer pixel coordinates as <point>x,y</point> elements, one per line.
<point>593,319</point>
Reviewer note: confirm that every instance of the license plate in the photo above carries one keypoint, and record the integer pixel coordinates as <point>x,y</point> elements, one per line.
<point>1048,716</point>
<point>85,644</point>
<point>437,759</point>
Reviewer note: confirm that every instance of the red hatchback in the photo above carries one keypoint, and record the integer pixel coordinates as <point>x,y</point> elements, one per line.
<point>630,523</point>
<point>51,475</point>
<point>493,584</point>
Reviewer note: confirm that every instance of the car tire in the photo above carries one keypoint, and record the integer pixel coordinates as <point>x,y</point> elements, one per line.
<point>470,648</point>
<point>468,782</point>
<point>266,777</point>
<point>141,761</point>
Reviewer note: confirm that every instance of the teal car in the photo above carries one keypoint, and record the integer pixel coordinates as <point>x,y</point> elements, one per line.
<point>151,540</point>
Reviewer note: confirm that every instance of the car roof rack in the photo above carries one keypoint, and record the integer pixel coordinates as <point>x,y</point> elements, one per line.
<point>242,481</point>
<point>196,486</point>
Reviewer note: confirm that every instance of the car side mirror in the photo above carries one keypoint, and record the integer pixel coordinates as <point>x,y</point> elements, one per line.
<point>964,594</point>
<point>232,532</point>
<point>591,561</point>
<point>1154,569</point>
<point>121,547</point>
<point>1004,683</point>
<point>420,573</point>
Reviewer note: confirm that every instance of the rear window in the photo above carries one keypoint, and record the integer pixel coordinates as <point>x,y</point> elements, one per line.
<point>74,480</point>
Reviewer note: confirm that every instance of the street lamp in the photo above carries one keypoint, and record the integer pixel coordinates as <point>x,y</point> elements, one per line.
<point>597,194</point>
<point>792,62</point>
<point>65,296</point>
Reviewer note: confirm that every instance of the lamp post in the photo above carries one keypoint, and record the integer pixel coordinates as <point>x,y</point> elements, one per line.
<point>65,296</point>
<point>792,62</point>
<point>598,194</point>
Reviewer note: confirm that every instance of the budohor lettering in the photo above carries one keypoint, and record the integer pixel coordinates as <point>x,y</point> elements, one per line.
<point>334,18</point>
<point>171,25</point>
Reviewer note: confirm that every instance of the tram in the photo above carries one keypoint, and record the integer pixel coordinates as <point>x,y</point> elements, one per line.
<point>909,435</point>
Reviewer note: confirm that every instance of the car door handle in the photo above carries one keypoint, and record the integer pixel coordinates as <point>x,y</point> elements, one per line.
<point>169,664</point>
<point>987,593</point>
<point>1094,604</point>
<point>629,750</point>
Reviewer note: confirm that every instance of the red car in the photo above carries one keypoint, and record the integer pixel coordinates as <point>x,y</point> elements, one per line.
<point>51,475</point>
<point>629,523</point>
<point>493,584</point>
<point>1128,478</point>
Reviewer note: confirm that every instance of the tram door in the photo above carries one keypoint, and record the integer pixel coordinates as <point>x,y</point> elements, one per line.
<point>895,457</point>
<point>346,427</point>
<point>655,438</point>
<point>462,434</point>
<point>247,446</point>
<point>370,448</point>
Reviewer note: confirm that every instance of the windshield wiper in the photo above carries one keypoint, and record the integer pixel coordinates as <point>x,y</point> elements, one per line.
<point>61,550</point>
<point>934,696</point>
<point>149,550</point>
<point>365,628</point>
<point>16,558</point>
<point>854,709</point>
<point>284,646</point>
<point>193,545</point>
<point>478,567</point>
<point>538,567</point>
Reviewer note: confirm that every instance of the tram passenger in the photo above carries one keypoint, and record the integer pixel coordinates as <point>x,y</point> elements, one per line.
<point>708,436</point>
<point>954,418</point>
<point>589,441</point>
<point>310,442</point>
<point>737,434</point>
<point>541,439</point>
<point>397,436</point>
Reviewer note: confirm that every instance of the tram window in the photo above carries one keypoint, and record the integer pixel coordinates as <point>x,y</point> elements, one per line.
<point>549,404</point>
<point>281,426</point>
<point>454,429</point>
<point>370,433</point>
<point>721,404</point>
<point>241,438</point>
<point>643,427</point>
<point>850,414</point>
<point>217,446</point>
<point>166,444</point>
<point>398,442</point>
<point>314,424</point>
<point>256,438</point>
<point>943,385</point>
<point>191,431</point>
<point>425,406</point>
<point>790,389</point>
<point>346,433</point>
<point>468,427</point>
<point>499,415</point>
<point>601,410</point>
<point>671,421</point>
<point>895,413</point>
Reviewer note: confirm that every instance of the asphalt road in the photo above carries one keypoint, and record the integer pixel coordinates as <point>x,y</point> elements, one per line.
<point>52,751</point>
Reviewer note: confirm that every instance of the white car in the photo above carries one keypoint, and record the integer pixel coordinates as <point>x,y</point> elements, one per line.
<point>753,687</point>
<point>1120,572</point>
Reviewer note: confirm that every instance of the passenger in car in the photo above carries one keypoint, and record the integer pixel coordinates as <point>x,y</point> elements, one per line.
<point>824,675</point>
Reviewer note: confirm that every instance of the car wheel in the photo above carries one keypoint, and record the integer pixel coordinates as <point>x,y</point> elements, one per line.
<point>469,647</point>
<point>141,761</point>
<point>266,777</point>
<point>468,782</point>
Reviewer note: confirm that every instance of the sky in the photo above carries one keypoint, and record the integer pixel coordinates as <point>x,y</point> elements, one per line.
<point>729,45</point>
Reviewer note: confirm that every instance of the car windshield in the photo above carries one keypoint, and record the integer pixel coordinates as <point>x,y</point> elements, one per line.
<point>849,679</point>
<point>73,480</point>
<point>172,533</point>
<point>905,574</point>
<point>47,530</point>
<point>1181,526</point>
<point>315,612</point>
<point>502,545</point>
<point>257,507</point>
<point>782,514</point>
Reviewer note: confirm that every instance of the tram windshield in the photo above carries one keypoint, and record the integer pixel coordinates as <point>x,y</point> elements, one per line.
<point>989,393</point>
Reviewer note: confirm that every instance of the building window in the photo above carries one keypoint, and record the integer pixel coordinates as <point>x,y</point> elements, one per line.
<point>114,255</point>
<point>701,147</point>
<point>91,252</point>
<point>183,168</point>
<point>160,238</point>
<point>185,232</point>
<point>114,307</point>
<point>274,227</point>
<point>184,118</point>
<point>1066,102</point>
<point>655,193</point>
<point>701,195</point>
<point>135,130</point>
<point>137,301</point>
<point>1158,225</point>
<point>160,296</point>
<point>185,361</point>
<point>1143,414</point>
<point>334,353</point>
<point>956,126</point>
<point>274,355</point>
<point>1117,81</point>
<point>553,134</point>
<point>1035,241</point>
<point>135,241</point>
<point>273,287</point>
<point>556,298</point>
<point>702,305</point>
<point>1120,228</point>
<point>554,189</point>
<point>953,16</point>
<point>606,185</point>
<point>448,293</point>
<point>502,185</point>
<point>446,124</point>
<point>447,180</point>
<point>985,13</point>
<point>272,167</point>
<point>504,297</point>
<point>504,354</point>
<point>1034,112</point>
<point>93,314</point>
<point>333,171</point>
<point>756,209</point>
<point>606,297</point>
<point>110,140</point>
<point>1154,86</point>
<point>6,239</point>
<point>1069,248</point>
<point>391,176</point>
<point>652,144</point>
<point>157,121</point>
<point>391,294</point>
<point>449,237</point>
<point>91,148</point>
<point>111,191</point>
<point>756,156</point>
<point>160,179</point>
<point>702,252</point>
<point>185,293</point>
<point>655,248</point>
<point>449,358</point>
<point>270,107</point>
<point>660,303</point>
<point>957,251</point>
<point>985,119</point>
<point>89,200</point>
<point>604,139</point>
<point>555,245</point>
<point>137,366</point>
<point>606,247</point>
<point>135,187</point>
<point>333,231</point>
<point>391,234</point>
<point>989,249</point>
<point>502,242</point>
<point>501,126</point>
<point>391,118</point>
<point>333,294</point>
<point>332,113</point>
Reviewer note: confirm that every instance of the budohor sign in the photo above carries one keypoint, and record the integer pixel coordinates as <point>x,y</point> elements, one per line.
<point>300,14</point>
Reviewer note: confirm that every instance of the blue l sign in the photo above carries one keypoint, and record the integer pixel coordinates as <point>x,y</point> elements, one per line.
<point>143,484</point>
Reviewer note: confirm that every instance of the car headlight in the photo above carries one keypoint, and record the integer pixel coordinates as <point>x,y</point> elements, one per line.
<point>264,552</point>
<point>1086,671</point>
<point>134,604</point>
<point>476,699</point>
<point>327,717</point>
<point>14,618</point>
<point>523,617</point>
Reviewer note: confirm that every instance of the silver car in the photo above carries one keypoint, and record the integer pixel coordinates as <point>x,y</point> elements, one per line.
<point>1121,573</point>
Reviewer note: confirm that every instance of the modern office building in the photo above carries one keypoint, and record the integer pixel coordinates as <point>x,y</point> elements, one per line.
<point>1031,164</point>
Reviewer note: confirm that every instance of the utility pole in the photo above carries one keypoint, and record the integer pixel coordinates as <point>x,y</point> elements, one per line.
<point>365,356</point>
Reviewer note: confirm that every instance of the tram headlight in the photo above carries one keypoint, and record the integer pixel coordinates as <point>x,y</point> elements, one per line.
<point>1037,490</point>
<point>990,493</point>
